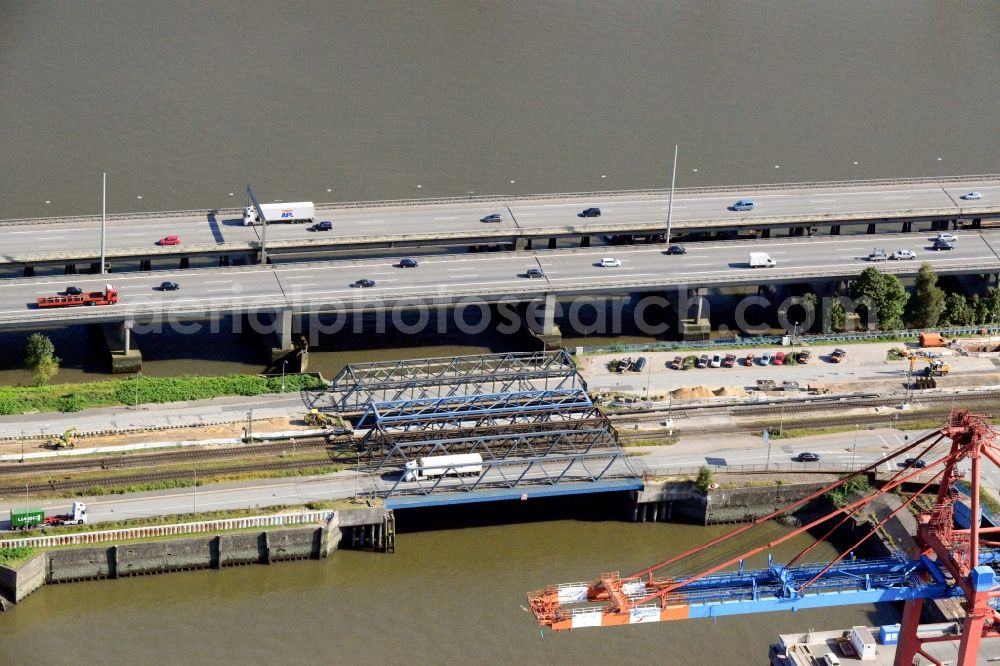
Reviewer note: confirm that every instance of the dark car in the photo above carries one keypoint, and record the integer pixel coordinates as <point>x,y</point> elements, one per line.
<point>915,463</point>
<point>676,363</point>
<point>677,249</point>
<point>321,226</point>
<point>940,244</point>
<point>591,212</point>
<point>169,286</point>
<point>408,263</point>
<point>808,457</point>
<point>803,356</point>
<point>534,273</point>
<point>703,361</point>
<point>73,291</point>
<point>492,217</point>
<point>364,283</point>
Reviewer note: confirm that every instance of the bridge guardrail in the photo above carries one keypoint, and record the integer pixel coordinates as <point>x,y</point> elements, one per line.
<point>761,187</point>
<point>131,533</point>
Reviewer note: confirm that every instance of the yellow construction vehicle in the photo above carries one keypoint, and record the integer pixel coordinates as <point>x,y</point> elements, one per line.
<point>67,440</point>
<point>935,366</point>
<point>318,418</point>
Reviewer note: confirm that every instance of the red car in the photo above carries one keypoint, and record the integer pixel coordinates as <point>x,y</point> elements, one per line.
<point>779,358</point>
<point>729,361</point>
<point>169,240</point>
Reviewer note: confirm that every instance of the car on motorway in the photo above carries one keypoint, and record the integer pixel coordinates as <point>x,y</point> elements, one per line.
<point>169,286</point>
<point>408,263</point>
<point>716,360</point>
<point>903,255</point>
<point>534,273</point>
<point>743,204</point>
<point>838,355</point>
<point>326,225</point>
<point>779,358</point>
<point>972,196</point>
<point>492,217</point>
<point>729,361</point>
<point>169,240</point>
<point>590,212</point>
<point>73,291</point>
<point>914,462</point>
<point>878,254</point>
<point>940,244</point>
<point>766,358</point>
<point>609,262</point>
<point>946,236</point>
<point>676,249</point>
<point>364,283</point>
<point>807,456</point>
<point>702,361</point>
<point>677,363</point>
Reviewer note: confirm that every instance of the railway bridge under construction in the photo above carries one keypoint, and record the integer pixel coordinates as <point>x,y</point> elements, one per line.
<point>525,419</point>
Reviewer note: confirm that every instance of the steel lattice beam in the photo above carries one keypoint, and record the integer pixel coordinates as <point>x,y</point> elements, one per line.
<point>357,385</point>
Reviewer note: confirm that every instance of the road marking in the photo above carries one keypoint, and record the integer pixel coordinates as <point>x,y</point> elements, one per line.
<point>446,218</point>
<point>213,291</point>
<point>217,282</point>
<point>821,200</point>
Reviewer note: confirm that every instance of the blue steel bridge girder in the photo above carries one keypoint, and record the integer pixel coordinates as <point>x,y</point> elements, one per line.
<point>358,385</point>
<point>425,410</point>
<point>549,471</point>
<point>536,444</point>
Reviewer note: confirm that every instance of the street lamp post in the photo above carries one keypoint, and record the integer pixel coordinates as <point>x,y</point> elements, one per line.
<point>22,445</point>
<point>670,202</point>
<point>137,376</point>
<point>854,449</point>
<point>283,364</point>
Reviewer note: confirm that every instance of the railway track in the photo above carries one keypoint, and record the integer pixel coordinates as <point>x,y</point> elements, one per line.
<point>139,459</point>
<point>154,477</point>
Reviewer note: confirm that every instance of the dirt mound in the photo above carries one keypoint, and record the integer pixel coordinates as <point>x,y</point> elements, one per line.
<point>691,393</point>
<point>730,391</point>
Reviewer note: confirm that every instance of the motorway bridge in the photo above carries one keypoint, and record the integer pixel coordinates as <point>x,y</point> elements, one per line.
<point>287,290</point>
<point>528,223</point>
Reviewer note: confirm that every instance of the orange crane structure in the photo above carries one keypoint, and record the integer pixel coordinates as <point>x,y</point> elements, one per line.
<point>953,562</point>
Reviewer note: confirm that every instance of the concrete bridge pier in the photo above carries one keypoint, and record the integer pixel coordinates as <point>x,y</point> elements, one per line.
<point>698,326</point>
<point>125,358</point>
<point>765,232</point>
<point>977,223</point>
<point>70,269</point>
<point>584,241</point>
<point>834,229</point>
<point>871,228</point>
<point>145,264</point>
<point>541,318</point>
<point>907,227</point>
<point>185,263</point>
<point>552,243</point>
<point>224,260</point>
<point>29,270</point>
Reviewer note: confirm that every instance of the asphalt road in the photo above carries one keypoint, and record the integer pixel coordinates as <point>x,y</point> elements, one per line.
<point>58,239</point>
<point>500,274</point>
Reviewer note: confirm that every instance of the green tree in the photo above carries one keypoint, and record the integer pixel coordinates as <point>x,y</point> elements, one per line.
<point>927,303</point>
<point>992,305</point>
<point>957,311</point>
<point>39,357</point>
<point>838,317</point>
<point>883,295</point>
<point>810,303</point>
<point>704,479</point>
<point>981,309</point>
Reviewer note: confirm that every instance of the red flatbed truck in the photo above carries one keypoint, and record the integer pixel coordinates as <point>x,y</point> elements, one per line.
<point>107,297</point>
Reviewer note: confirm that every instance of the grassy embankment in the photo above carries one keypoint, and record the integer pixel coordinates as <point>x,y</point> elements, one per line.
<point>118,392</point>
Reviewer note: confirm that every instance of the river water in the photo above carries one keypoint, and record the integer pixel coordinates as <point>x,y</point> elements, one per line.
<point>184,104</point>
<point>451,596</point>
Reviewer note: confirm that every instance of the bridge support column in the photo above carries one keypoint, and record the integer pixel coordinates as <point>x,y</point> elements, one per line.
<point>521,244</point>
<point>765,232</point>
<point>224,260</point>
<point>977,223</point>
<point>146,265</point>
<point>29,270</point>
<point>70,269</point>
<point>834,229</point>
<point>698,327</point>
<point>907,227</point>
<point>541,318</point>
<point>185,262</point>
<point>552,243</point>
<point>906,648</point>
<point>871,228</point>
<point>585,241</point>
<point>118,338</point>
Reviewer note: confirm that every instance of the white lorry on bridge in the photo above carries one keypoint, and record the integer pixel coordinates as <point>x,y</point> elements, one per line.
<point>301,211</point>
<point>429,467</point>
<point>761,260</point>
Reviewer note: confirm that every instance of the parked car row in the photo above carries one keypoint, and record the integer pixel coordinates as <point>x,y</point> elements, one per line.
<point>767,358</point>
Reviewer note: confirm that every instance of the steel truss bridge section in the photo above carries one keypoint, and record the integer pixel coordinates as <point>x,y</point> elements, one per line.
<point>358,385</point>
<point>538,444</point>
<point>554,470</point>
<point>378,443</point>
<point>485,409</point>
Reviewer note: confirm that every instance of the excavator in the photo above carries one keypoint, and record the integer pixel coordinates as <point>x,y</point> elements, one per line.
<point>935,366</point>
<point>318,418</point>
<point>67,440</point>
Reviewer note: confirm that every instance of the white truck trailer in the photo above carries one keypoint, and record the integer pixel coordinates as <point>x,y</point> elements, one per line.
<point>300,211</point>
<point>429,467</point>
<point>761,260</point>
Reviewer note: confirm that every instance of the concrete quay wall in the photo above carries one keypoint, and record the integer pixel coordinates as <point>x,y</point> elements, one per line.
<point>681,501</point>
<point>206,551</point>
